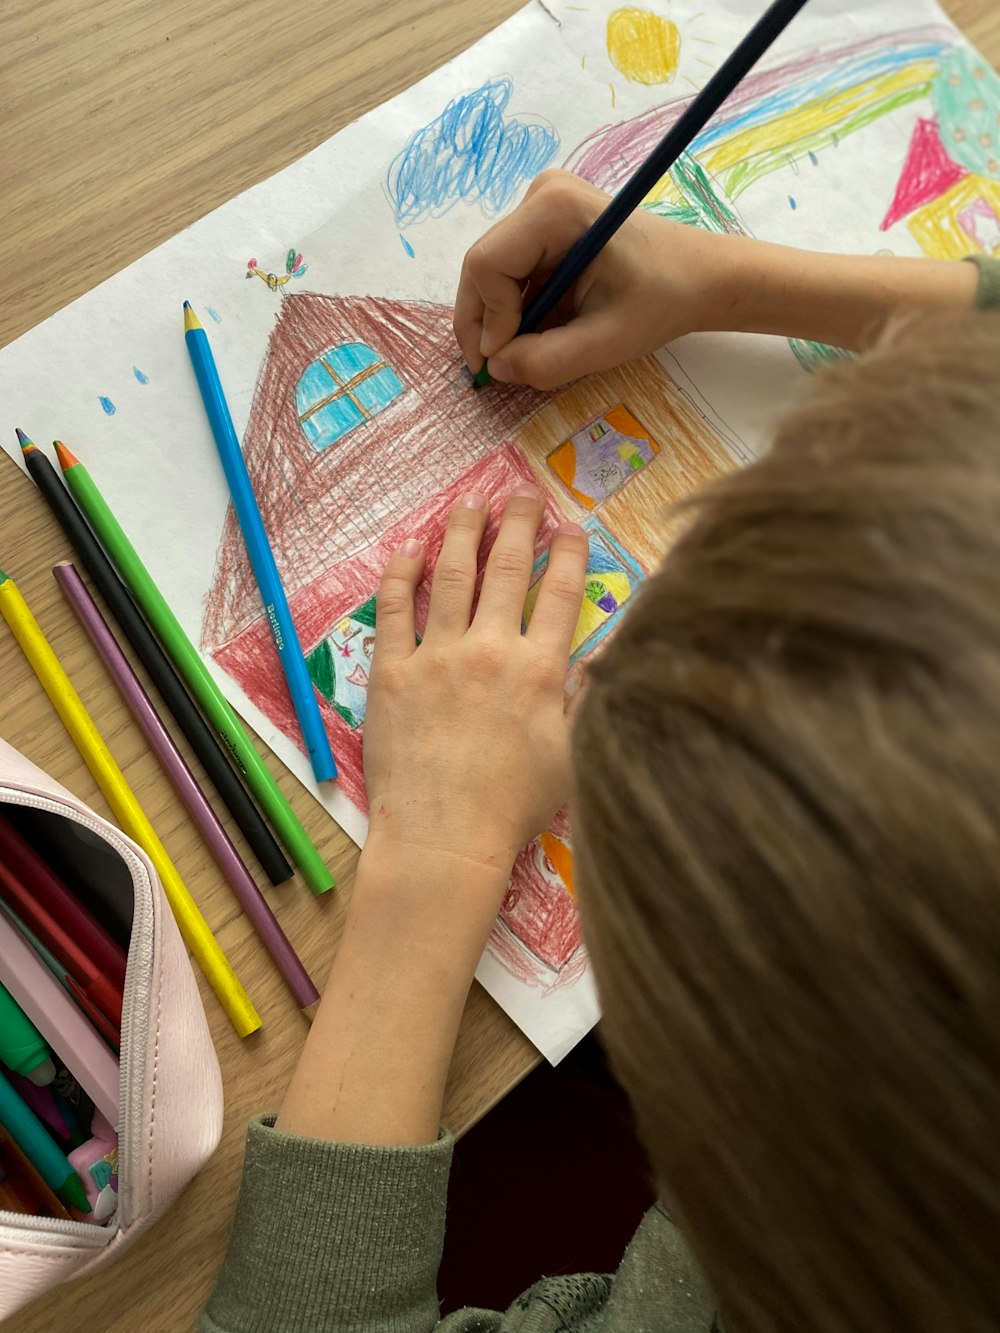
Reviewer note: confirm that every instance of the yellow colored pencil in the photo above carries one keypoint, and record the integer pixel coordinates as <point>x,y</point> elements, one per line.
<point>127,810</point>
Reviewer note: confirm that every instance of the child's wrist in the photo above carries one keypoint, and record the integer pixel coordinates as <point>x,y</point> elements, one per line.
<point>430,900</point>
<point>727,286</point>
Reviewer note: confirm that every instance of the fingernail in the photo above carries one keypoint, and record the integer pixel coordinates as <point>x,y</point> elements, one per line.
<point>411,548</point>
<point>569,530</point>
<point>500,369</point>
<point>473,500</point>
<point>527,490</point>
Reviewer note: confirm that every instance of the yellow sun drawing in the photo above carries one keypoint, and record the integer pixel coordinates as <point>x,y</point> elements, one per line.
<point>643,46</point>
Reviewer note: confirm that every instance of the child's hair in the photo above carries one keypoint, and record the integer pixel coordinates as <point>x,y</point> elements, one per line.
<point>788,808</point>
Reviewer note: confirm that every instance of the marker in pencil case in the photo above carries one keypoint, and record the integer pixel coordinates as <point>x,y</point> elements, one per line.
<point>29,1134</point>
<point>101,1022</point>
<point>94,961</point>
<point>23,1049</point>
<point>51,1109</point>
<point>61,1022</point>
<point>23,1190</point>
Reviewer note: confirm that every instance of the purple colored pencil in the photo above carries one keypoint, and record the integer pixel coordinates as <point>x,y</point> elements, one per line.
<point>141,707</point>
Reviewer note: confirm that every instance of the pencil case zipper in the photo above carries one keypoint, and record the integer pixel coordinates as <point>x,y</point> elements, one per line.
<point>135,1022</point>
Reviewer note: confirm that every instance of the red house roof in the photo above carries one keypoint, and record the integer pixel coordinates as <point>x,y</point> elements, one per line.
<point>321,506</point>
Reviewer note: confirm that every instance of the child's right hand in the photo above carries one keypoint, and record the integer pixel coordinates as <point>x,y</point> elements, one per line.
<point>653,281</point>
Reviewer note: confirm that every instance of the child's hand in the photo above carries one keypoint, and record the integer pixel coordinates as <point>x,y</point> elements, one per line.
<point>652,282</point>
<point>466,746</point>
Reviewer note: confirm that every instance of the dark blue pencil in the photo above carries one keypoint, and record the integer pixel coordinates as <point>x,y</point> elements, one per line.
<point>676,141</point>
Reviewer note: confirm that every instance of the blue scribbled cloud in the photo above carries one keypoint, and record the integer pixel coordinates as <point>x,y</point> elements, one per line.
<point>472,151</point>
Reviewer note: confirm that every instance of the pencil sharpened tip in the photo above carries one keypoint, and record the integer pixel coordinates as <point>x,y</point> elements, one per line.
<point>65,456</point>
<point>481,377</point>
<point>191,320</point>
<point>21,437</point>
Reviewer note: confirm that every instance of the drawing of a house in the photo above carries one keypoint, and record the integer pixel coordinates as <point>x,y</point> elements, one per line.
<point>365,430</point>
<point>950,211</point>
<point>361,411</point>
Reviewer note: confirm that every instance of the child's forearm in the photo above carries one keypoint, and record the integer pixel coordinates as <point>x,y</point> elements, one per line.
<point>375,1063</point>
<point>844,300</point>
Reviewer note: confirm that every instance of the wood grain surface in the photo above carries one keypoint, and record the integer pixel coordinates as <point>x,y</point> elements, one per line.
<point>122,122</point>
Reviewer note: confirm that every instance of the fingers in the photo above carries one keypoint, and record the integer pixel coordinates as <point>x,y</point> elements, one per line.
<point>590,342</point>
<point>560,595</point>
<point>508,570</point>
<point>467,319</point>
<point>454,583</point>
<point>556,211</point>
<point>395,636</point>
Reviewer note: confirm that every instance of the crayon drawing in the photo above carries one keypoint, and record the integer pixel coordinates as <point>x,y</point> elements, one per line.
<point>643,46</point>
<point>474,150</point>
<point>873,127</point>
<point>602,456</point>
<point>294,268</point>
<point>364,431</point>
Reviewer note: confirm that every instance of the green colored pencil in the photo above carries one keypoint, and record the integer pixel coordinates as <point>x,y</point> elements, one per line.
<point>192,668</point>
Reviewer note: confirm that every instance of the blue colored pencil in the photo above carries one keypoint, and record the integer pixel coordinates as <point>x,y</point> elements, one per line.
<point>248,514</point>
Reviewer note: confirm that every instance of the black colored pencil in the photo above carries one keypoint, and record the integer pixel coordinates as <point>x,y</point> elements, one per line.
<point>156,662</point>
<point>676,141</point>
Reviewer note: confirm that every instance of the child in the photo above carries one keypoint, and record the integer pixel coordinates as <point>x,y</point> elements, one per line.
<point>785,779</point>
<point>657,280</point>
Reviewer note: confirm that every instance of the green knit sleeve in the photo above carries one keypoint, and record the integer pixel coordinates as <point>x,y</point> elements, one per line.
<point>988,292</point>
<point>332,1236</point>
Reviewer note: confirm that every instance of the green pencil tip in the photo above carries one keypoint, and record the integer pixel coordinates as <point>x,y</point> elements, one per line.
<point>481,377</point>
<point>72,1192</point>
<point>3,577</point>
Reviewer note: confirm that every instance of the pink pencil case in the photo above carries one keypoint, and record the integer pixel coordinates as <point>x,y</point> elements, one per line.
<point>169,1094</point>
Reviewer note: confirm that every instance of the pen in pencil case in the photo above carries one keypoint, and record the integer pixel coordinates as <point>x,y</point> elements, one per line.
<point>91,957</point>
<point>23,1190</point>
<point>52,1110</point>
<point>60,1021</point>
<point>104,1025</point>
<point>128,812</point>
<point>265,569</point>
<point>50,1162</point>
<point>23,1049</point>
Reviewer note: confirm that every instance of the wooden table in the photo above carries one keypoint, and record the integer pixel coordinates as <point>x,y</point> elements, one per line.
<point>123,121</point>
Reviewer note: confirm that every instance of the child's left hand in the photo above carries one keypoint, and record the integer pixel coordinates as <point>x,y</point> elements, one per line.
<point>466,746</point>
<point>466,757</point>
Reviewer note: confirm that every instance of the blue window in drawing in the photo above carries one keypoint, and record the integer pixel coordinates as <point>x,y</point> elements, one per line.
<point>341,389</point>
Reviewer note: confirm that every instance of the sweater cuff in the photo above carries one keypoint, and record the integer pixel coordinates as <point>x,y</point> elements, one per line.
<point>328,1235</point>
<point>988,291</point>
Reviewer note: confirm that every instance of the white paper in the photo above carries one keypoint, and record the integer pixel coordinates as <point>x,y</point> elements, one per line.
<point>154,458</point>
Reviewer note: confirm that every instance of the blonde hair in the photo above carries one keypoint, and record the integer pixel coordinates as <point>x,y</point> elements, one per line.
<point>788,814</point>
